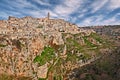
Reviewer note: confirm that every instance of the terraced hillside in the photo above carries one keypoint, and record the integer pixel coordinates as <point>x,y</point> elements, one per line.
<point>53,61</point>
<point>78,50</point>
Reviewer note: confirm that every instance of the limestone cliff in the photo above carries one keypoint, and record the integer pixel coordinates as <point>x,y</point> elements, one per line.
<point>46,48</point>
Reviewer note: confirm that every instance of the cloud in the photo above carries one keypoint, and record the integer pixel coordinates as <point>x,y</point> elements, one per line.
<point>97,5</point>
<point>111,21</point>
<point>42,13</point>
<point>4,15</point>
<point>81,15</point>
<point>21,4</point>
<point>41,2</point>
<point>99,20</point>
<point>113,4</point>
<point>24,7</point>
<point>81,12</point>
<point>67,7</point>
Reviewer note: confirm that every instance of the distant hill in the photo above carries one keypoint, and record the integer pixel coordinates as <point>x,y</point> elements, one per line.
<point>112,31</point>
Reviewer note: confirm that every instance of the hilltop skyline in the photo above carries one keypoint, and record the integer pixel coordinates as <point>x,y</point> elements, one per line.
<point>80,12</point>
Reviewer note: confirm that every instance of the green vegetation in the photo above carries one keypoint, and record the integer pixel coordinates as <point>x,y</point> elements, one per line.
<point>90,77</point>
<point>5,77</point>
<point>89,44</point>
<point>11,77</point>
<point>105,68</point>
<point>97,37</point>
<point>2,45</point>
<point>46,56</point>
<point>40,26</point>
<point>73,45</point>
<point>42,78</point>
<point>75,52</point>
<point>72,57</point>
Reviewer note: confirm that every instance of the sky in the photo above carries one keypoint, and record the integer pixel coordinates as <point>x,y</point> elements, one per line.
<point>80,12</point>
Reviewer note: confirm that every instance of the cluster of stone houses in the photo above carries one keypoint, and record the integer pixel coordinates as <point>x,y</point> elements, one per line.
<point>29,25</point>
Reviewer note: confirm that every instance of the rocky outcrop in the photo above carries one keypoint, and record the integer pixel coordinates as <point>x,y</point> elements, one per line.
<point>16,56</point>
<point>42,71</point>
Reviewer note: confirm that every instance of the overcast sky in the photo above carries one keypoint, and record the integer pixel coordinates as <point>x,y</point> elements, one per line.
<point>80,12</point>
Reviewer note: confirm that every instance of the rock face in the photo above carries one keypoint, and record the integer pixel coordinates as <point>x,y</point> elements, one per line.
<point>16,56</point>
<point>42,71</point>
<point>22,39</point>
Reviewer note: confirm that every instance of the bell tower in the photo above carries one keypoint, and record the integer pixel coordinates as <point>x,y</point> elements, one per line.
<point>48,16</point>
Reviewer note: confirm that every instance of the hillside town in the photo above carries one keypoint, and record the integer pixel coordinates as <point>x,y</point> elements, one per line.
<point>22,39</point>
<point>32,34</point>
